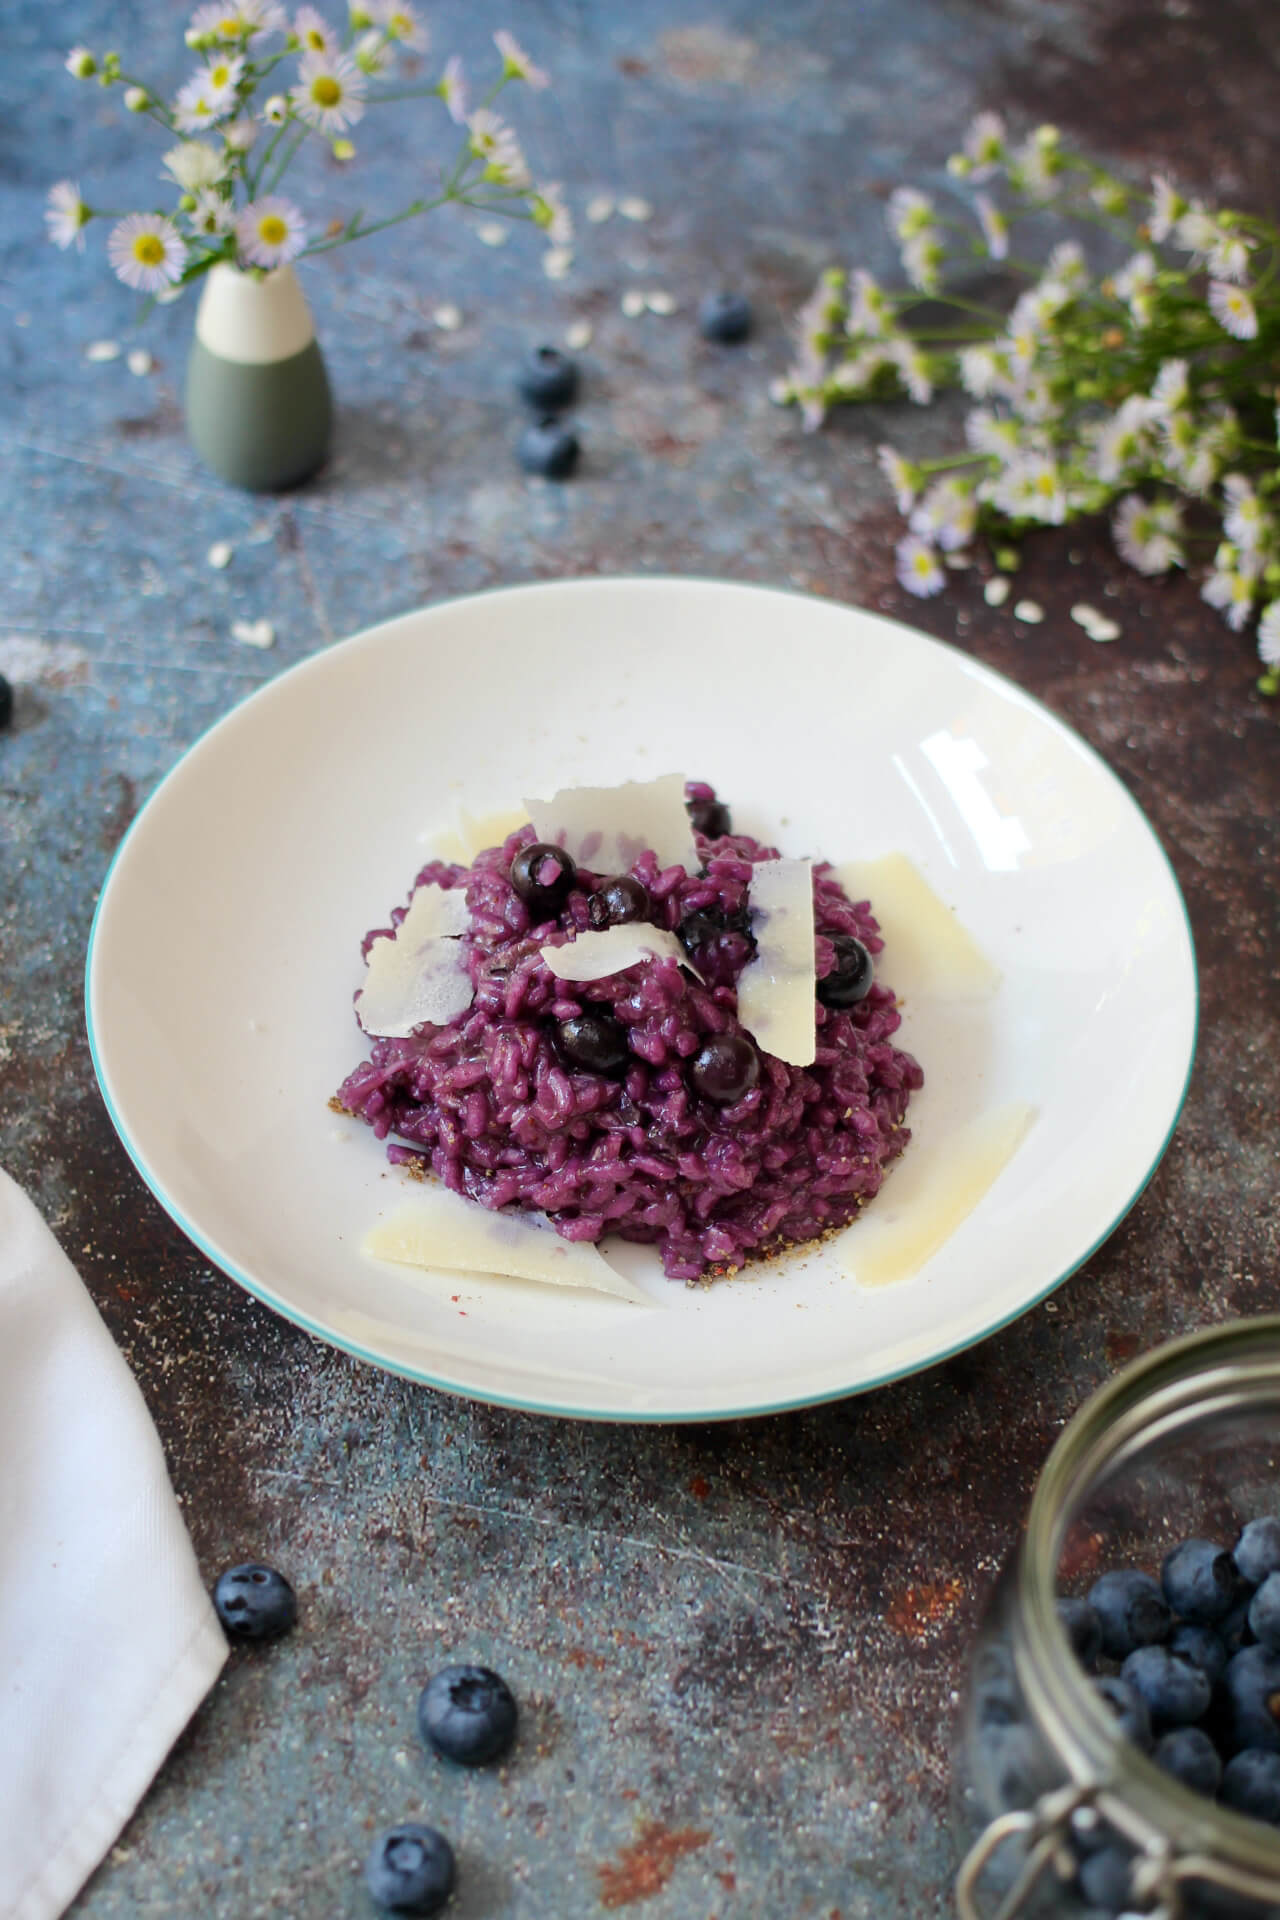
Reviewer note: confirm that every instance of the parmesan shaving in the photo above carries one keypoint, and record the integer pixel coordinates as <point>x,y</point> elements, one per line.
<point>594,956</point>
<point>776,989</point>
<point>927,953</point>
<point>417,973</point>
<point>442,1229</point>
<point>606,829</point>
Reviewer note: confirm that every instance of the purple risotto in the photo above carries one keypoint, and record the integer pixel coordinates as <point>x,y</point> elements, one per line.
<point>637,1104</point>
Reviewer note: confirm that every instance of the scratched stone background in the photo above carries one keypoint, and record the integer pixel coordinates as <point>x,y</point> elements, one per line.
<point>738,1646</point>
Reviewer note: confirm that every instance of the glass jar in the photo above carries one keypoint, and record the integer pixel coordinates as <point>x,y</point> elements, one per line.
<point>1185,1443</point>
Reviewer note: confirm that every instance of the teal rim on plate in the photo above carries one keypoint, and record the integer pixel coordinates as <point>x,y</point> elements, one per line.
<point>532,1404</point>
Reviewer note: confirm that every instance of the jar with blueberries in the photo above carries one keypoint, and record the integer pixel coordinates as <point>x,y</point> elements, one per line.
<point>1120,1747</point>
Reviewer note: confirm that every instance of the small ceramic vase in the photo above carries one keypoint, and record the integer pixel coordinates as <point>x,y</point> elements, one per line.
<point>257,402</point>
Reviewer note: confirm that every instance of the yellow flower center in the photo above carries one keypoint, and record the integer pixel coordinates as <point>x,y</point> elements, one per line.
<point>922,563</point>
<point>272,230</point>
<point>229,28</point>
<point>220,74</point>
<point>1045,484</point>
<point>398,24</point>
<point>315,39</point>
<point>325,90</point>
<point>148,250</point>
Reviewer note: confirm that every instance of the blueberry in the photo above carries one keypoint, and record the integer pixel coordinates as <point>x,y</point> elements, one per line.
<point>1128,1707</point>
<point>595,1041</point>
<point>543,876</point>
<point>6,703</point>
<point>724,317</point>
<point>410,1869</point>
<point>254,1602</point>
<point>710,817</point>
<point>1251,1688</point>
<point>1010,1768</point>
<point>617,900</point>
<point>547,448</point>
<point>725,1068</point>
<point>1199,1581</point>
<point>705,924</point>
<point>1202,1647</point>
<point>1191,1757</point>
<point>1104,1878</point>
<point>1083,1629</point>
<point>1264,1613</point>
<point>1233,1629</point>
<point>548,380</point>
<point>853,975</point>
<point>467,1714</point>
<point>1251,1784</point>
<point>997,1698</point>
<point>1257,1551</point>
<point>1132,1610</point>
<point>1176,1692</point>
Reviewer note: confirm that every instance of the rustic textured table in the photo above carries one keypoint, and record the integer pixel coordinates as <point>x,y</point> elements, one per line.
<point>737,1646</point>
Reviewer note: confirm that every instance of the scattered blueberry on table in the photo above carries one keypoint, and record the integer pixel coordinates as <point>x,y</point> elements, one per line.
<point>254,1602</point>
<point>724,317</point>
<point>410,1869</point>
<point>548,449</point>
<point>467,1714</point>
<point>547,380</point>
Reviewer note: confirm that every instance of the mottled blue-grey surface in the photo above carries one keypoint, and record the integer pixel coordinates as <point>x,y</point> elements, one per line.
<point>736,1647</point>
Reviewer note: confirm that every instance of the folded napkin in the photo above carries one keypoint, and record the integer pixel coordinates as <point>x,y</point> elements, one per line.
<point>108,1641</point>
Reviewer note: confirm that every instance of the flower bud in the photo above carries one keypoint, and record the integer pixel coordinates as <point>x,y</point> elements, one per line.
<point>344,150</point>
<point>137,99</point>
<point>959,166</point>
<point>1047,137</point>
<point>81,64</point>
<point>187,203</point>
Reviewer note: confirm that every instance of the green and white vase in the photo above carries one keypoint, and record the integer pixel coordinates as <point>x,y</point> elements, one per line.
<point>258,406</point>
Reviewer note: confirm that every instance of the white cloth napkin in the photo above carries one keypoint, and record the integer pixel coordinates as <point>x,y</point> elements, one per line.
<point>108,1640</point>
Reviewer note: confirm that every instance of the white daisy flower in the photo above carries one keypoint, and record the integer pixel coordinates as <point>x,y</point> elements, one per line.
<point>917,567</point>
<point>218,81</point>
<point>1246,521</point>
<point>516,64</point>
<point>1269,635</point>
<point>373,52</point>
<point>194,164</point>
<point>1233,310</point>
<point>552,215</point>
<point>819,318</point>
<point>1029,488</point>
<point>1036,167</point>
<point>80,64</point>
<point>1135,276</point>
<point>193,110</point>
<point>909,213</point>
<point>1109,197</point>
<point>913,370</point>
<point>491,140</point>
<point>399,21</point>
<point>147,251</point>
<point>270,232</point>
<point>1229,257</point>
<point>275,110</point>
<point>314,34</point>
<point>1147,533</point>
<point>232,20</point>
<point>870,315</point>
<point>985,370</point>
<point>1066,267</point>
<point>995,227</point>
<point>1233,594</point>
<point>1167,207</point>
<point>66,215</point>
<point>857,373</point>
<point>986,433</point>
<point>453,90</point>
<point>1123,440</point>
<point>903,478</point>
<point>1036,400</point>
<point>212,215</point>
<point>922,257</point>
<point>1197,232</point>
<point>240,134</point>
<point>947,515</point>
<point>1171,387</point>
<point>329,94</point>
<point>984,145</point>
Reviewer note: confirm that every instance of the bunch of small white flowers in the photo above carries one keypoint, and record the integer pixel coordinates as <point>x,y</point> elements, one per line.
<point>1147,392</point>
<point>266,86</point>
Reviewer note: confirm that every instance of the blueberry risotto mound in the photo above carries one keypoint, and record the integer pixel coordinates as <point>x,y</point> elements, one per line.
<point>637,1104</point>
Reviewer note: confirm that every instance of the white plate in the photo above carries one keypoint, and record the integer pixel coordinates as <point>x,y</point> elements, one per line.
<point>225,951</point>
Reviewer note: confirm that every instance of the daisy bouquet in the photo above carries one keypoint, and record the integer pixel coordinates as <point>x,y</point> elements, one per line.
<point>267,84</point>
<point>1148,391</point>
